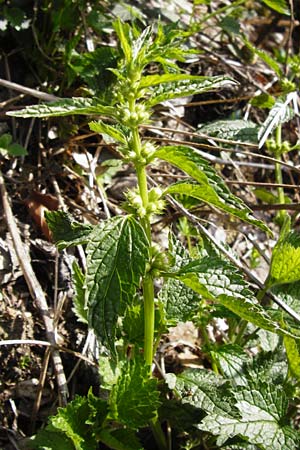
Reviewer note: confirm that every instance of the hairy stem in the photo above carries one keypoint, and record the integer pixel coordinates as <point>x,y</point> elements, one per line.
<point>148,287</point>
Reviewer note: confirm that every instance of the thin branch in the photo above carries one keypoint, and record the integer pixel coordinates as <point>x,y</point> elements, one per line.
<point>28,91</point>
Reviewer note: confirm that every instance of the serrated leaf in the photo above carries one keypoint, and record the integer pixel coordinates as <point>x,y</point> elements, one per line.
<point>66,232</point>
<point>122,30</point>
<point>279,114</point>
<point>231,360</point>
<point>110,130</point>
<point>261,414</point>
<point>134,400</point>
<point>185,87</point>
<point>285,262</point>
<point>180,302</point>
<point>50,439</point>
<point>290,294</point>
<point>268,367</point>
<point>211,188</point>
<point>72,421</point>
<point>278,5</point>
<point>79,299</point>
<point>218,280</point>
<point>204,390</point>
<point>117,253</point>
<point>237,130</point>
<point>64,107</point>
<point>293,355</point>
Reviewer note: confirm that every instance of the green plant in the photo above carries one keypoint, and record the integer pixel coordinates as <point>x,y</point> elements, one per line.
<point>7,148</point>
<point>240,401</point>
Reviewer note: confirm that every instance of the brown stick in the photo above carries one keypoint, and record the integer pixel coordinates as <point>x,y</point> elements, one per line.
<point>36,293</point>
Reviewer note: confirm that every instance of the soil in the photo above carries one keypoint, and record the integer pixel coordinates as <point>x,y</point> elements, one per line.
<point>55,173</point>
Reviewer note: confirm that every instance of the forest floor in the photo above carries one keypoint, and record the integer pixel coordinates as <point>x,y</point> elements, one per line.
<point>57,172</point>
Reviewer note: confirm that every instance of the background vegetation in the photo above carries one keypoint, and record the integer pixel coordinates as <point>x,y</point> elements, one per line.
<point>210,233</point>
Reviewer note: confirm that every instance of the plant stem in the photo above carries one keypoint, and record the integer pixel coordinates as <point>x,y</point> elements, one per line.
<point>148,290</point>
<point>148,287</point>
<point>242,328</point>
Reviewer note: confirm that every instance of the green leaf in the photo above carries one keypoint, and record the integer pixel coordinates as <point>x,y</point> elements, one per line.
<point>110,130</point>
<point>117,253</point>
<point>263,101</point>
<point>134,400</point>
<point>79,299</point>
<point>64,107</point>
<point>278,5</point>
<point>285,262</point>
<point>205,390</point>
<point>232,360</point>
<point>16,150</point>
<point>72,421</point>
<point>122,439</point>
<point>133,324</point>
<point>262,413</point>
<point>280,113</point>
<point>122,30</point>
<point>237,130</point>
<point>211,188</point>
<point>5,140</point>
<point>180,302</point>
<point>50,438</point>
<point>290,294</point>
<point>230,25</point>
<point>271,62</point>
<point>66,231</point>
<point>188,86</point>
<point>218,280</point>
<point>293,355</point>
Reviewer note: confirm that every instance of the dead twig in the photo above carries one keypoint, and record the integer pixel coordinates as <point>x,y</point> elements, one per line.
<point>28,91</point>
<point>36,293</point>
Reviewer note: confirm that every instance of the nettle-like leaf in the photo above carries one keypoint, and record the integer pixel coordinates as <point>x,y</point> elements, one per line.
<point>280,6</point>
<point>231,360</point>
<point>279,114</point>
<point>188,86</point>
<point>285,263</point>
<point>79,299</point>
<point>117,253</point>
<point>210,188</point>
<point>204,390</point>
<point>65,107</point>
<point>180,302</point>
<point>261,422</point>
<point>289,294</point>
<point>218,280</point>
<point>134,400</point>
<point>50,438</point>
<point>112,131</point>
<point>66,232</point>
<point>237,130</point>
<point>123,31</point>
<point>77,418</point>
